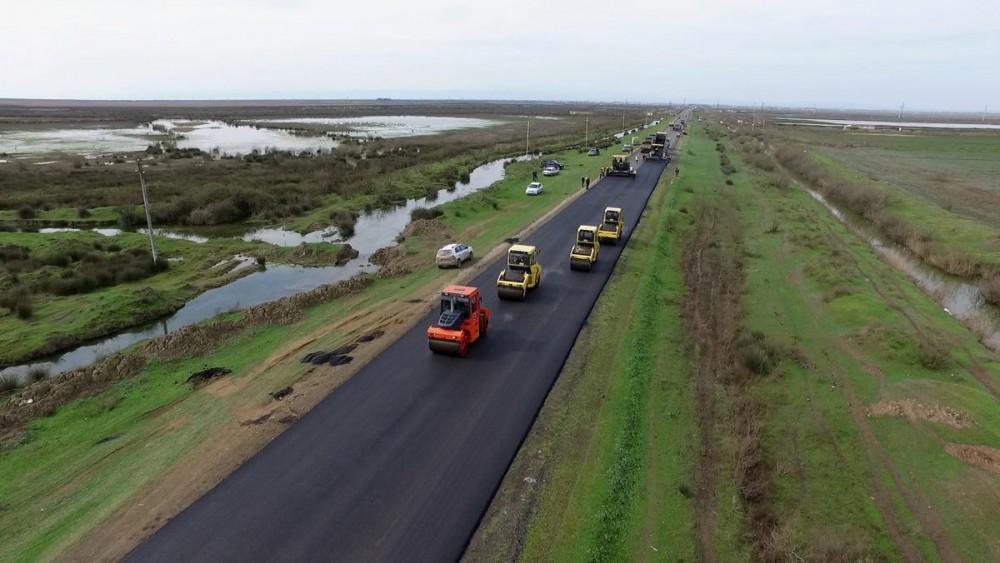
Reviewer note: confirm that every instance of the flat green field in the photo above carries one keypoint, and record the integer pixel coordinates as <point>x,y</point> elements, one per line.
<point>945,182</point>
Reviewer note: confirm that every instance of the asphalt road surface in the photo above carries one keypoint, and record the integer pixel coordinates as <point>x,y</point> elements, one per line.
<point>401,462</point>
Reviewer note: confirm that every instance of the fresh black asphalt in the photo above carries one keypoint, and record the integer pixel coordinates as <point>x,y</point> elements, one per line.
<point>401,461</point>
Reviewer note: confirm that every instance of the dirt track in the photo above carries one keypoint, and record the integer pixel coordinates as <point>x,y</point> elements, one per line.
<point>712,313</point>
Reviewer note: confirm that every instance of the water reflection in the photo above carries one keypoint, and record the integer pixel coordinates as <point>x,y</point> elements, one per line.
<point>388,126</point>
<point>884,124</point>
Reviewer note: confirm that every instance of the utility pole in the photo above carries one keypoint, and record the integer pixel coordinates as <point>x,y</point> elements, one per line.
<point>586,132</point>
<point>985,109</point>
<point>527,139</point>
<point>900,116</point>
<point>145,205</point>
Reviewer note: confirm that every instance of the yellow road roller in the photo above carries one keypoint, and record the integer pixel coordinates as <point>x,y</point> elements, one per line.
<point>584,252</point>
<point>523,273</point>
<point>610,229</point>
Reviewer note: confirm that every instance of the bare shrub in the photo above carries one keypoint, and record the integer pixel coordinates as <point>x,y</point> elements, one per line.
<point>19,302</point>
<point>344,221</point>
<point>758,354</point>
<point>38,373</point>
<point>990,286</point>
<point>425,213</point>
<point>760,160</point>
<point>9,382</point>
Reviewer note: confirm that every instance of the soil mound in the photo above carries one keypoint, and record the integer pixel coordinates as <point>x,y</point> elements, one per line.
<point>346,254</point>
<point>206,375</point>
<point>44,397</point>
<point>425,228</point>
<point>913,410</point>
<point>194,340</point>
<point>983,457</point>
<point>373,335</point>
<point>384,255</point>
<point>288,310</point>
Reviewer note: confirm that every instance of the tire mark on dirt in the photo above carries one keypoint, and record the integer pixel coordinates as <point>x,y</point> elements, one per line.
<point>880,496</point>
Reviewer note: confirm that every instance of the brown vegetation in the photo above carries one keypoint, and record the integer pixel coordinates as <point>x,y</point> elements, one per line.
<point>729,360</point>
<point>913,410</point>
<point>983,457</point>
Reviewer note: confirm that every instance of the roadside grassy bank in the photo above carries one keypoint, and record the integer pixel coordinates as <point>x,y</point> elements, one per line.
<point>141,450</point>
<point>810,403</point>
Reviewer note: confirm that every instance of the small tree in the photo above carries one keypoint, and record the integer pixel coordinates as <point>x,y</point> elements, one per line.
<point>27,212</point>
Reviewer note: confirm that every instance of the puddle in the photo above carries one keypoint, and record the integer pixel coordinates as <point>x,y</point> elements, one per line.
<point>218,137</point>
<point>959,298</point>
<point>90,141</point>
<point>387,126</point>
<point>209,136</point>
<point>883,124</point>
<point>372,231</point>
<point>110,232</point>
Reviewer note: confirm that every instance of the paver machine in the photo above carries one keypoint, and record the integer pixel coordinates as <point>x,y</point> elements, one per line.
<point>620,166</point>
<point>584,252</point>
<point>610,229</point>
<point>462,321</point>
<point>660,145</point>
<point>523,272</point>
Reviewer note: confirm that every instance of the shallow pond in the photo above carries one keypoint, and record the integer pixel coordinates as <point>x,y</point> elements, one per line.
<point>223,138</point>
<point>220,137</point>
<point>885,124</point>
<point>388,126</point>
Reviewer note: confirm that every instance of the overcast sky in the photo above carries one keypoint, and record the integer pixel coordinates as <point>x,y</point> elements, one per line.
<point>849,53</point>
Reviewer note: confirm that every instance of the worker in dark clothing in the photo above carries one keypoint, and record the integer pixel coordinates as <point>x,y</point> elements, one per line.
<point>588,182</point>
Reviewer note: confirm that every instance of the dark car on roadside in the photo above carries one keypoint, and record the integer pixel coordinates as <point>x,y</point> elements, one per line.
<point>549,163</point>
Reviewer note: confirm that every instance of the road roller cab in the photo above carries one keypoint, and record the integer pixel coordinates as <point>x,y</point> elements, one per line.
<point>610,229</point>
<point>584,252</point>
<point>523,273</point>
<point>462,320</point>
